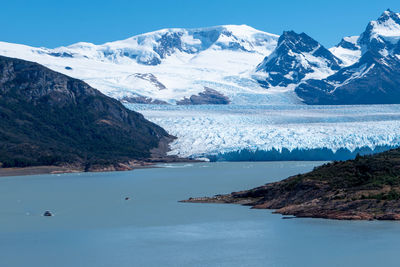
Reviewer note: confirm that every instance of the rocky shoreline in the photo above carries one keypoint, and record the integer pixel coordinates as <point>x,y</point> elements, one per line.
<point>339,210</point>
<point>366,188</point>
<point>158,155</point>
<point>77,168</point>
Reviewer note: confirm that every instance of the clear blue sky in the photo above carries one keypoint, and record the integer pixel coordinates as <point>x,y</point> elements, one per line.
<point>58,22</point>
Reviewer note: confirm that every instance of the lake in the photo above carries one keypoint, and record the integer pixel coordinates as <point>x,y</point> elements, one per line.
<point>95,226</point>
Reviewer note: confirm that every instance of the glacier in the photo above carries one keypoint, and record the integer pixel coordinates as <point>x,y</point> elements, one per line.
<point>182,62</point>
<point>260,123</point>
<point>272,132</point>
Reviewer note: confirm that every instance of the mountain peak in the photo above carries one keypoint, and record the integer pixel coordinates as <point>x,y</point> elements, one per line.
<point>297,41</point>
<point>381,35</point>
<point>289,33</point>
<point>296,57</point>
<point>153,47</point>
<point>387,25</point>
<point>387,14</point>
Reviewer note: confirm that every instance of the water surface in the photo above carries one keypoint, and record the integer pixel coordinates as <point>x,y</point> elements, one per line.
<point>94,226</point>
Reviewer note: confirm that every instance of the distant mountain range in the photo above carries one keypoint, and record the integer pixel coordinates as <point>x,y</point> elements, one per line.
<point>373,77</point>
<point>48,118</point>
<point>236,65</point>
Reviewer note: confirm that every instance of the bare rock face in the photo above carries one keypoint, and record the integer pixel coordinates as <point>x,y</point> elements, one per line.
<point>208,96</point>
<point>142,100</point>
<point>367,188</point>
<point>151,78</point>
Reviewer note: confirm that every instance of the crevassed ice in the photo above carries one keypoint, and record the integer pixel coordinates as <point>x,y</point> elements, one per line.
<point>211,129</point>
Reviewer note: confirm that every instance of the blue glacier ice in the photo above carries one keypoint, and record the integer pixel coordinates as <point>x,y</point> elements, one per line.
<point>277,132</point>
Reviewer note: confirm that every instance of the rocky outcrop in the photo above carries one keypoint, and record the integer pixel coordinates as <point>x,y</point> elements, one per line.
<point>367,188</point>
<point>142,100</point>
<point>150,78</point>
<point>208,96</point>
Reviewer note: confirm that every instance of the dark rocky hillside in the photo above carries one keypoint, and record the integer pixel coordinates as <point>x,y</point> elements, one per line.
<point>365,188</point>
<point>47,118</point>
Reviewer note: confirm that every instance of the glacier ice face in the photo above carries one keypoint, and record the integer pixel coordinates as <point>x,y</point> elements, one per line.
<point>206,131</point>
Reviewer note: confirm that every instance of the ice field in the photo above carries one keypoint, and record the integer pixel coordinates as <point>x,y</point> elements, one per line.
<point>214,130</point>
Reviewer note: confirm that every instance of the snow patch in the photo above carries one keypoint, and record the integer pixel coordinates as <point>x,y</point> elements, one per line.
<point>348,56</point>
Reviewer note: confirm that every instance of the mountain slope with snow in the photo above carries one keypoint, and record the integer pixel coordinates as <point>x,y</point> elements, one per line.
<point>166,65</point>
<point>234,64</point>
<point>296,57</point>
<point>348,50</point>
<point>260,81</point>
<point>372,79</point>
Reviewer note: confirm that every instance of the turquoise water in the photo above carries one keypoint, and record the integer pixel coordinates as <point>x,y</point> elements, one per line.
<point>94,226</point>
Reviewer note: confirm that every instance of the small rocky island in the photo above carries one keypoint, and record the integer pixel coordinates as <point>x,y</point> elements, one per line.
<point>366,188</point>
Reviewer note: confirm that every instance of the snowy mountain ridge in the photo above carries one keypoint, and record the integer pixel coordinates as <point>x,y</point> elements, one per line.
<point>183,62</point>
<point>379,35</point>
<point>297,57</point>
<point>151,48</point>
<point>237,63</point>
<point>260,81</point>
<point>371,74</point>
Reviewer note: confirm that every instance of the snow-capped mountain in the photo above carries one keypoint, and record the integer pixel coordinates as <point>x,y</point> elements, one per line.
<point>373,79</point>
<point>381,36</point>
<point>242,69</point>
<point>234,64</point>
<point>154,47</point>
<point>163,66</point>
<point>296,57</point>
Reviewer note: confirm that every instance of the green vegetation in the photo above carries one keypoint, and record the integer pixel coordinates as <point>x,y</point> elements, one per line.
<point>47,118</point>
<point>364,172</point>
<point>366,188</point>
<point>391,195</point>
